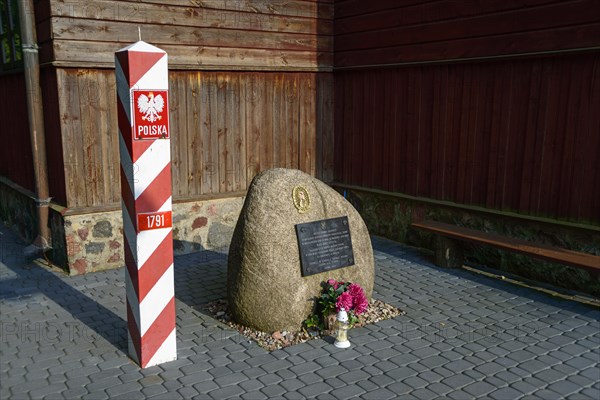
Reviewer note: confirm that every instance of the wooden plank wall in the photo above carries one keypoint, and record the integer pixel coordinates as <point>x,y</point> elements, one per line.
<point>521,135</point>
<point>197,34</point>
<point>16,161</point>
<point>225,128</point>
<point>369,33</point>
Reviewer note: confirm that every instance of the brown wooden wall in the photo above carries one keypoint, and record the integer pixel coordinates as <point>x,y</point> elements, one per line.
<point>208,34</point>
<point>519,135</point>
<point>16,160</point>
<point>225,128</point>
<point>387,32</point>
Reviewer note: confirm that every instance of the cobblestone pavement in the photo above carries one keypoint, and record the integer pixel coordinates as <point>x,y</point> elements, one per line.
<point>464,336</point>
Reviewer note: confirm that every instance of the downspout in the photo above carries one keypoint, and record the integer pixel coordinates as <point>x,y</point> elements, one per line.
<point>35,114</point>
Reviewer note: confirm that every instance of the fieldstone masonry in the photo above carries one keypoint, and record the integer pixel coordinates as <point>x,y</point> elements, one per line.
<point>94,242</point>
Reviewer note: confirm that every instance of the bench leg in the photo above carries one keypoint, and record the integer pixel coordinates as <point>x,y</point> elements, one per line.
<point>448,253</point>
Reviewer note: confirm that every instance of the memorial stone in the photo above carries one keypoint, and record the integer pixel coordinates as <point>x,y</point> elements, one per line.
<point>294,232</point>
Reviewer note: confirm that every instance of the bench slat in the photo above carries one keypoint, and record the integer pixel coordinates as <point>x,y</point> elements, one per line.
<point>568,257</point>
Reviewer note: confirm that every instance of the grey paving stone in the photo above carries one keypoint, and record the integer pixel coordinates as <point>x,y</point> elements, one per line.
<point>315,389</point>
<point>334,370</point>
<point>367,385</point>
<point>270,379</point>
<point>539,341</point>
<point>479,389</point>
<point>153,390</point>
<point>310,378</point>
<point>231,379</point>
<point>507,393</point>
<point>123,388</point>
<point>305,368</point>
<point>226,393</point>
<point>335,383</point>
<point>564,388</point>
<point>354,376</point>
<point>292,384</point>
<point>379,394</point>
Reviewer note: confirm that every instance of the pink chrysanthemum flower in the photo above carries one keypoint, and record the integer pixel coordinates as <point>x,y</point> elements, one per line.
<point>344,301</point>
<point>333,282</point>
<point>360,303</point>
<point>359,300</point>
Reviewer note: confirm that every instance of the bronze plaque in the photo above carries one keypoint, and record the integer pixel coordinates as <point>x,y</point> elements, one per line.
<point>324,245</point>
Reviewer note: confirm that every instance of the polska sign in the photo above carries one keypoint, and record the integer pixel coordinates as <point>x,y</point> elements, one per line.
<point>151,114</point>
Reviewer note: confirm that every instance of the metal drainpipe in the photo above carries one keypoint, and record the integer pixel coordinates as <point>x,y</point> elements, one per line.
<point>36,124</point>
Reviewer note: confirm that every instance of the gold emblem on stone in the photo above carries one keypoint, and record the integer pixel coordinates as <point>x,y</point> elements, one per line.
<point>301,199</point>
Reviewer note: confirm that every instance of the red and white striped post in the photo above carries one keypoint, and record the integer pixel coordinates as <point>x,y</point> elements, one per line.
<point>143,117</point>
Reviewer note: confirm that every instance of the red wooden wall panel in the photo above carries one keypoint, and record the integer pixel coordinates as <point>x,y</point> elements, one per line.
<point>519,135</point>
<point>395,32</point>
<point>16,161</point>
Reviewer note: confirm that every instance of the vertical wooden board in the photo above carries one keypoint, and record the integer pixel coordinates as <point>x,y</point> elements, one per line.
<point>233,134</point>
<point>294,121</point>
<point>222,128</point>
<point>232,127</point>
<point>358,111</point>
<point>328,126</point>
<point>343,131</point>
<point>453,143</point>
<point>318,101</point>
<point>364,151</point>
<point>377,131</point>
<point>463,134</point>
<point>581,130</point>
<point>214,155</point>
<point>303,126</point>
<point>504,142</point>
<point>584,204</point>
<point>425,115</point>
<point>107,124</point>
<point>402,132</point>
<point>204,142</point>
<point>438,107</point>
<point>87,171</point>
<point>531,125</point>
<point>339,115</point>
<point>114,123</point>
<point>72,144</point>
<point>266,149</point>
<point>414,130</point>
<point>541,133</point>
<point>517,136</point>
<point>482,153</point>
<point>306,124</point>
<point>198,122</point>
<point>240,163</point>
<point>558,139</point>
<point>253,124</point>
<point>178,133</point>
<point>571,133</point>
<point>278,104</point>
<point>473,135</point>
<point>495,135</point>
<point>386,123</point>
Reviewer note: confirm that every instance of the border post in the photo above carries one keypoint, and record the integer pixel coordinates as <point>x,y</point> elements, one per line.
<point>144,144</point>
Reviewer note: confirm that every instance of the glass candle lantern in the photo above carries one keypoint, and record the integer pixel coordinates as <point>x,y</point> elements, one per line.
<point>342,326</point>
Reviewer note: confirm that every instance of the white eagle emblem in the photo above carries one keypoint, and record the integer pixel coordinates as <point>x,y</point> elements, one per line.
<point>151,106</point>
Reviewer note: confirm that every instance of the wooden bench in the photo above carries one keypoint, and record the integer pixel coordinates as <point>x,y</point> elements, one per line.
<point>448,252</point>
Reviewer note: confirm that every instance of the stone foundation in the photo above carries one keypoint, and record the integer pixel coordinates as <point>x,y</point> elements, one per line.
<point>390,216</point>
<point>92,242</point>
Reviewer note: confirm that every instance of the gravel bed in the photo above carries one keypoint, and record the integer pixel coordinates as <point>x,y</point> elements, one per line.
<point>378,311</point>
